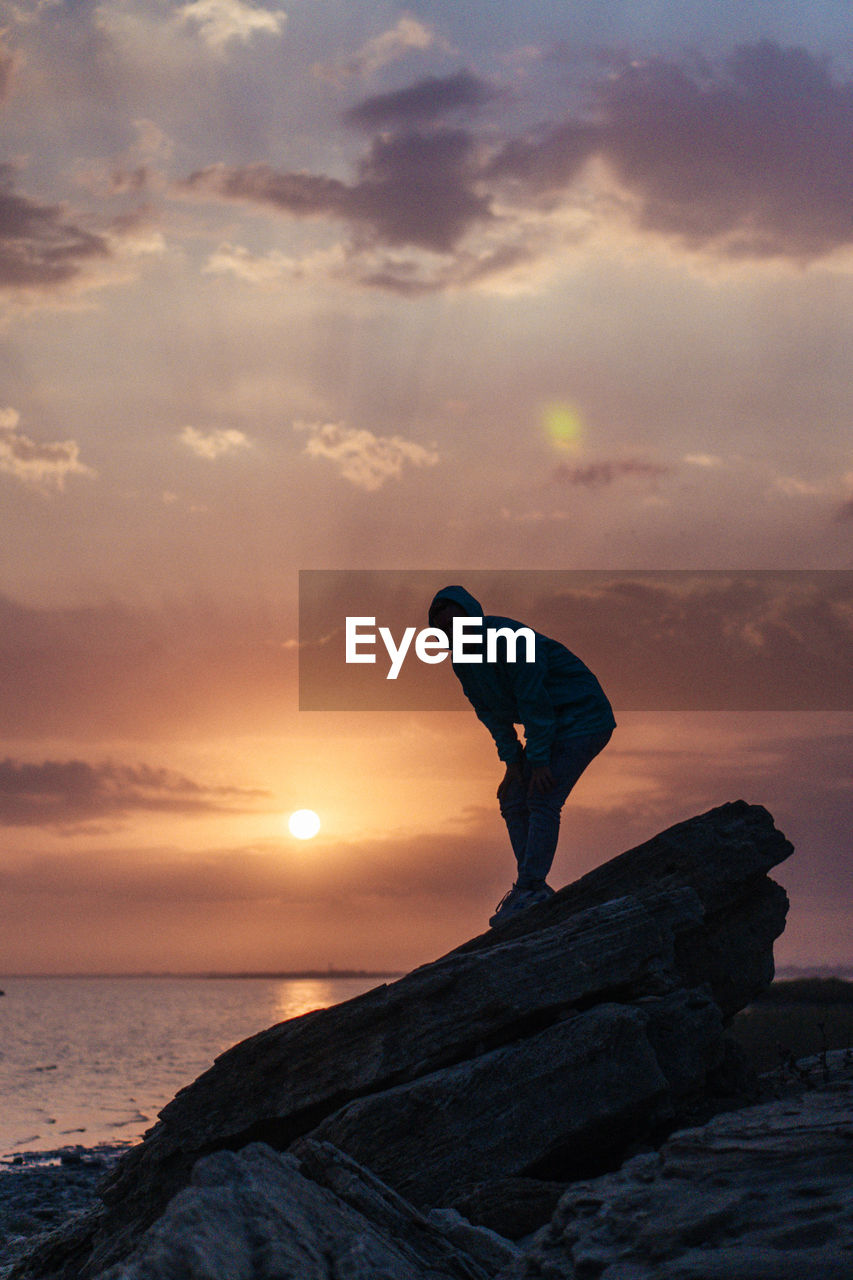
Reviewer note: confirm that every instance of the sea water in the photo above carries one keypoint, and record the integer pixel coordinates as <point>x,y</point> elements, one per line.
<point>88,1061</point>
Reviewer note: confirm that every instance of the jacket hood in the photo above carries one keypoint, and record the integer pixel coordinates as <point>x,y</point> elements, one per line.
<point>459,596</point>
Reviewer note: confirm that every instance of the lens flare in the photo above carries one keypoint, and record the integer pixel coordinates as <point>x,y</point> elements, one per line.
<point>563,424</point>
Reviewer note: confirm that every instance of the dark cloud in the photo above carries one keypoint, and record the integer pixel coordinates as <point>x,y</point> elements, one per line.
<point>415,188</point>
<point>845,510</point>
<point>38,246</point>
<point>597,475</point>
<point>755,159</point>
<point>302,194</point>
<point>70,792</point>
<point>549,160</point>
<point>418,189</point>
<point>422,102</point>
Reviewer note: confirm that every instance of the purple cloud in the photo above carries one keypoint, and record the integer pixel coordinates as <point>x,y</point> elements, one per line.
<point>755,159</point>
<point>422,102</point>
<point>59,793</point>
<point>596,475</point>
<point>38,247</point>
<point>415,188</point>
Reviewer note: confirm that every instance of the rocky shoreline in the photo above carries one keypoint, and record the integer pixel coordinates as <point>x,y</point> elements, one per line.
<point>41,1190</point>
<point>558,1097</point>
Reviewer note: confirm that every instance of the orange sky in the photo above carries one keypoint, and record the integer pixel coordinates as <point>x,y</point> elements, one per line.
<point>290,286</point>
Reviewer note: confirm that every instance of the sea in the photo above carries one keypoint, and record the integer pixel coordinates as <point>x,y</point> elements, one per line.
<point>89,1062</point>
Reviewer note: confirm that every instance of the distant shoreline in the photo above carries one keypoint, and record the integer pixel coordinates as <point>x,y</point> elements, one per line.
<point>278,975</point>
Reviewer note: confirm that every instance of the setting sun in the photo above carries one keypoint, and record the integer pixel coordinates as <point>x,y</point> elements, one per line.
<point>303,824</point>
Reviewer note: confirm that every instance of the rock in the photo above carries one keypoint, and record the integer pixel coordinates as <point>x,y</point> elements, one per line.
<point>514,1207</point>
<point>260,1215</point>
<point>723,856</point>
<point>763,1192</point>
<point>586,1087</point>
<point>490,1248</point>
<point>548,1048</point>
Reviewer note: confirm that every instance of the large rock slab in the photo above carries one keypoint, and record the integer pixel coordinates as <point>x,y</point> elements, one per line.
<point>546,1047</point>
<point>586,1087</point>
<point>765,1192</point>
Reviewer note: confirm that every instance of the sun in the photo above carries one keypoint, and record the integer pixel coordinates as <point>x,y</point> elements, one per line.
<point>303,824</point>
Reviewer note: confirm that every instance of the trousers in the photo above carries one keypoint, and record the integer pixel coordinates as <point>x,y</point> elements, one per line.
<point>533,819</point>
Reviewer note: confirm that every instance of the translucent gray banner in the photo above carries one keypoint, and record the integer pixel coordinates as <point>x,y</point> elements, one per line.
<point>662,640</point>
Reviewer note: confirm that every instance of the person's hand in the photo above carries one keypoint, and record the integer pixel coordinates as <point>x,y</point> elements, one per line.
<point>541,780</point>
<point>513,774</point>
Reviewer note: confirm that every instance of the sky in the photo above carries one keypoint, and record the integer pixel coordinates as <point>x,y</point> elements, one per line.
<point>459,290</point>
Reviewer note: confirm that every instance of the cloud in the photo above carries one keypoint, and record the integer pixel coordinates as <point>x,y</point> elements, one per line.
<point>753,159</point>
<point>707,460</point>
<point>213,444</point>
<point>415,188</point>
<point>42,466</point>
<point>138,169</point>
<point>407,35</point>
<point>237,260</point>
<point>219,22</point>
<point>422,102</point>
<point>70,792</point>
<point>597,475</point>
<point>410,273</point>
<point>794,487</point>
<point>384,870</point>
<point>39,248</point>
<point>365,459</point>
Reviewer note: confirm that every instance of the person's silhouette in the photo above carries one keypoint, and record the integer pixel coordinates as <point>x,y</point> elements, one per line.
<point>567,721</point>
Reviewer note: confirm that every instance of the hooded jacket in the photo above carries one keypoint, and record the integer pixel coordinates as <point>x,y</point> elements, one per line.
<point>555,696</point>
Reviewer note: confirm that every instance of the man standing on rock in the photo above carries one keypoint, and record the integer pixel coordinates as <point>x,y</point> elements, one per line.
<point>567,721</point>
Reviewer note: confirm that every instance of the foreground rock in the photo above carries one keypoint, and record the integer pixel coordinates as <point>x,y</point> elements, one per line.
<point>545,1050</point>
<point>258,1215</point>
<point>764,1193</point>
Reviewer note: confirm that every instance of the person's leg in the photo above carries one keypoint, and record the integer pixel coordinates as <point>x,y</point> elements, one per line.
<point>569,758</point>
<point>515,813</point>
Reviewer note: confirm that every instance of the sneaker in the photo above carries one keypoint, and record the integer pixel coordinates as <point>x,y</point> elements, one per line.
<point>518,899</point>
<point>540,892</point>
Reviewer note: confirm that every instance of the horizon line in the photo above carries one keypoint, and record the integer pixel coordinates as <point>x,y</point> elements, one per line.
<point>783,972</point>
<point>216,973</point>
